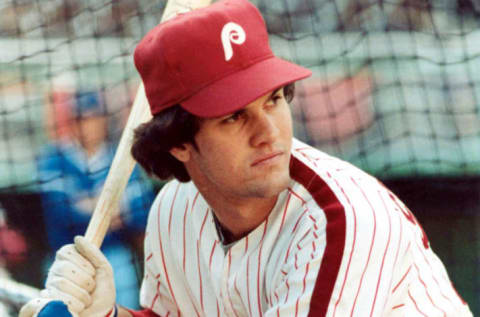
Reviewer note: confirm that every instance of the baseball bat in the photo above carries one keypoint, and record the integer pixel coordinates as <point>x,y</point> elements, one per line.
<point>123,163</point>
<point>16,294</point>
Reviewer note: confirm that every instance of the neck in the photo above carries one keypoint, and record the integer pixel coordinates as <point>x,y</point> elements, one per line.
<point>238,217</point>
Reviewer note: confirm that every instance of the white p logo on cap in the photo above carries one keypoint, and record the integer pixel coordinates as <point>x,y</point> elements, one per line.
<point>232,33</point>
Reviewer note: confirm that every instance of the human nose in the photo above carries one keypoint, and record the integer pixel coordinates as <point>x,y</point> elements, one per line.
<point>264,130</point>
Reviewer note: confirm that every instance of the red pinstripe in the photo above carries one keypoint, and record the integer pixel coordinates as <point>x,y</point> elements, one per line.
<point>258,268</point>
<point>371,245</point>
<point>288,290</point>
<point>296,308</point>
<point>171,209</point>
<point>184,232</point>
<point>293,231</point>
<point>302,238</point>
<point>228,288</point>
<point>297,195</point>
<point>410,217</point>
<point>305,277</point>
<point>211,254</point>
<point>384,254</point>
<point>236,277</point>
<point>288,251</point>
<point>163,254</point>
<point>426,290</point>
<point>195,200</point>
<point>402,279</point>
<point>415,303</point>
<point>278,308</point>
<point>433,276</point>
<point>284,214</point>
<point>302,149</point>
<point>298,220</point>
<point>307,157</point>
<point>248,286</point>
<point>156,296</point>
<point>149,257</point>
<point>198,258</point>
<point>396,255</point>
<point>200,275</point>
<point>354,213</point>
<point>236,289</point>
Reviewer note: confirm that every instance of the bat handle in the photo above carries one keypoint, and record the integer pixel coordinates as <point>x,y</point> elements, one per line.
<point>118,174</point>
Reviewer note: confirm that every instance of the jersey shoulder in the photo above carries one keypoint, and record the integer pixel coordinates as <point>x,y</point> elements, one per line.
<point>309,160</point>
<point>166,203</point>
<point>333,184</point>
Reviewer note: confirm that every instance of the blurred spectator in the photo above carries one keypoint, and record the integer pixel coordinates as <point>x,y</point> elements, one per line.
<point>407,15</point>
<point>13,249</point>
<point>335,111</point>
<point>72,171</point>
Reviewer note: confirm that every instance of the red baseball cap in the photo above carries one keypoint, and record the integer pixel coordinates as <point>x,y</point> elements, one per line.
<point>212,61</point>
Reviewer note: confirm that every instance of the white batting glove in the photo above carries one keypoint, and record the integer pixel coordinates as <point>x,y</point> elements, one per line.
<point>82,278</point>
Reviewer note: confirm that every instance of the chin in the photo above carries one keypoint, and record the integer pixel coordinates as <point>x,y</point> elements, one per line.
<point>271,186</point>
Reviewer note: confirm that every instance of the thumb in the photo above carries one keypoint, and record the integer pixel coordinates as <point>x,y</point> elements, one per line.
<point>91,252</point>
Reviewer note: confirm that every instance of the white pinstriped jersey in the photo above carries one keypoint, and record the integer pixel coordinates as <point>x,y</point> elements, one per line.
<point>337,243</point>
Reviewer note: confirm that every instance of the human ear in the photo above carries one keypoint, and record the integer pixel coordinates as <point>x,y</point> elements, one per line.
<point>181,153</point>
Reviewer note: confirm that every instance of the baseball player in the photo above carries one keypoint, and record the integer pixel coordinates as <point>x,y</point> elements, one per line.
<point>255,222</point>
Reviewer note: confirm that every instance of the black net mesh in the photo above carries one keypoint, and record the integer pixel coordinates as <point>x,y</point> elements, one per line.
<point>395,90</point>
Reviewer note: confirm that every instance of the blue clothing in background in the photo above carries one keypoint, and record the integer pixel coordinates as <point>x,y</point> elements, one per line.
<point>70,182</point>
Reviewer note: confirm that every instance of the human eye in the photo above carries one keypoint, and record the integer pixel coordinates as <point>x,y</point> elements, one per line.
<point>234,117</point>
<point>276,97</point>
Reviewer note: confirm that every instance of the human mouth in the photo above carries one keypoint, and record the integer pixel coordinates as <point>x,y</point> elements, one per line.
<point>268,159</point>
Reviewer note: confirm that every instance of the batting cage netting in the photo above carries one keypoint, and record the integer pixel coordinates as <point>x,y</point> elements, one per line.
<point>395,91</point>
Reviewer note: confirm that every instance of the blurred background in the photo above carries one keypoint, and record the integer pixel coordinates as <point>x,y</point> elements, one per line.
<point>395,91</point>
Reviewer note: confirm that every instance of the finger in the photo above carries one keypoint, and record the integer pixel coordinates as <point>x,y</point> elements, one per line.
<point>66,286</point>
<point>91,252</point>
<point>74,305</point>
<point>70,253</point>
<point>73,273</point>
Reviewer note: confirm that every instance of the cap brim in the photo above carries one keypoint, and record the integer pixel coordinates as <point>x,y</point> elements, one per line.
<point>237,90</point>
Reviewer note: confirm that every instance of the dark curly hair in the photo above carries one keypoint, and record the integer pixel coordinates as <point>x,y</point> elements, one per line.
<point>171,128</point>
